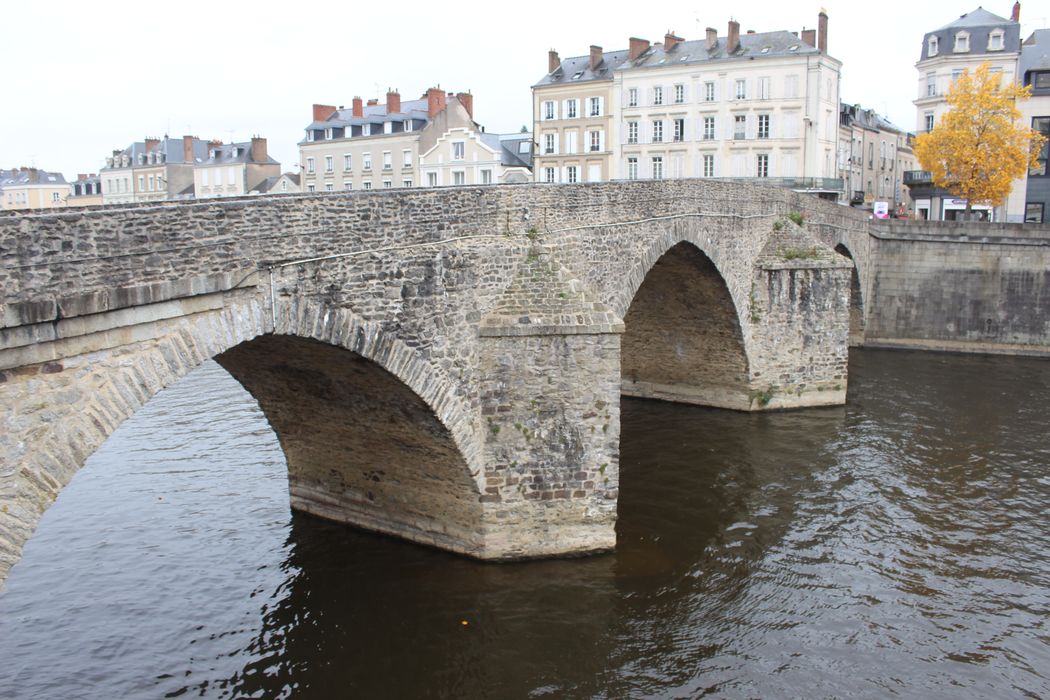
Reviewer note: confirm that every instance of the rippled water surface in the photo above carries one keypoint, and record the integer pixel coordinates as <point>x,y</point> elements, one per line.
<point>897,547</point>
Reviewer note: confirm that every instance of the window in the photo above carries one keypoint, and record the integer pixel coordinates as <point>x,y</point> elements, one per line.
<point>709,128</point>
<point>679,94</point>
<point>1041,80</point>
<point>310,165</point>
<point>458,150</point>
<point>632,97</point>
<point>366,129</point>
<point>596,107</point>
<point>956,74</point>
<point>570,142</point>
<point>595,138</point>
<point>548,110</point>
<point>406,159</point>
<point>632,132</point>
<point>709,91</point>
<point>928,119</point>
<point>709,165</point>
<point>741,89</point>
<point>548,143</point>
<point>348,162</point>
<point>571,111</point>
<point>486,177</point>
<point>142,183</point>
<point>406,183</point>
<point>408,125</point>
<point>931,46</point>
<point>962,42</point>
<point>366,161</point>
<point>309,134</point>
<point>432,179</point>
<point>328,187</point>
<point>458,177</point>
<point>632,168</point>
<point>658,95</point>
<point>658,167</point>
<point>1033,212</point>
<point>679,129</point>
<point>387,160</point>
<point>346,185</point>
<point>763,126</point>
<point>368,185</point>
<point>55,196</point>
<point>570,174</point>
<point>931,84</point>
<point>328,164</point>
<point>658,131</point>
<point>149,181</point>
<point>762,162</point>
<point>763,88</point>
<point>548,174</point>
<point>995,40</point>
<point>328,133</point>
<point>791,86</point>
<point>739,126</point>
<point>310,187</point>
<point>387,184</point>
<point>1041,125</point>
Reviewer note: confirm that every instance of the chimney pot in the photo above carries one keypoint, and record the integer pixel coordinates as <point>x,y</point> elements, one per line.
<point>393,102</point>
<point>637,48</point>
<point>552,61</point>
<point>712,39</point>
<point>358,107</point>
<point>596,56</point>
<point>733,43</point>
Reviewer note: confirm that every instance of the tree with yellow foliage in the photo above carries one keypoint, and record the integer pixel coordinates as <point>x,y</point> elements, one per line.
<point>977,149</point>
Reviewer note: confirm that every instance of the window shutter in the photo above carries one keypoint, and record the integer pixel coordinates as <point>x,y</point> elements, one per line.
<point>601,106</point>
<point>601,140</point>
<point>751,126</point>
<point>556,151</point>
<point>685,92</point>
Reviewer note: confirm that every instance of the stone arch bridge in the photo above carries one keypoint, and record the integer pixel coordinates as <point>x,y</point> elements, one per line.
<point>440,364</point>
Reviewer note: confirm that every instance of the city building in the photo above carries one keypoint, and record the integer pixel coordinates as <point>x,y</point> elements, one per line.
<point>31,188</point>
<point>961,45</point>
<point>467,155</point>
<point>152,170</point>
<point>86,191</point>
<point>373,146</point>
<point>873,155</point>
<point>1030,199</point>
<point>285,183</point>
<point>747,106</point>
<point>233,169</point>
<point>573,109</point>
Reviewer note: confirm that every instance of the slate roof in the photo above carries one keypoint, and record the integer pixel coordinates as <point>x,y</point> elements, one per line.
<point>223,154</point>
<point>270,182</point>
<point>507,146</point>
<point>869,119</point>
<point>375,114</point>
<point>20,177</point>
<point>1035,52</point>
<point>577,69</point>
<point>171,148</point>
<point>978,24</point>
<point>759,45</point>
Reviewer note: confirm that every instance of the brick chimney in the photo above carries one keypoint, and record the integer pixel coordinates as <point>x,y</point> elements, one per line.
<point>637,48</point>
<point>822,32</point>
<point>552,61</point>
<point>259,154</point>
<point>393,102</point>
<point>596,56</point>
<point>322,112</point>
<point>1015,16</point>
<point>671,41</point>
<point>435,101</point>
<point>733,41</point>
<point>187,149</point>
<point>712,39</point>
<point>151,145</point>
<point>358,107</point>
<point>467,100</point>
<point>809,36</point>
<point>374,102</point>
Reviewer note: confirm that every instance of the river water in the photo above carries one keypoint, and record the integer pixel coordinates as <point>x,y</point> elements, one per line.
<point>896,547</point>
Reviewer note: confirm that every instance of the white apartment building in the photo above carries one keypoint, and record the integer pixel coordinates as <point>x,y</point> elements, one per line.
<point>740,106</point>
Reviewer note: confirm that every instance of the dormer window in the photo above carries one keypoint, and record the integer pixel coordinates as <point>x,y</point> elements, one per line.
<point>309,134</point>
<point>408,125</point>
<point>995,40</point>
<point>366,129</point>
<point>962,42</point>
<point>328,134</point>
<point>931,46</point>
<point>214,153</point>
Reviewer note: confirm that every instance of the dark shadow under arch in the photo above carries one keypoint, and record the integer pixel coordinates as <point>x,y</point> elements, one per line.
<point>856,300</point>
<point>683,341</point>
<point>361,446</point>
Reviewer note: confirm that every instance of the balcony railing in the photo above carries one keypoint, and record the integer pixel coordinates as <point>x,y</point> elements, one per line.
<point>822,184</point>
<point>918,177</point>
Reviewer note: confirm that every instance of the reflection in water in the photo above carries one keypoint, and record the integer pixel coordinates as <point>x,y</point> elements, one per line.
<point>894,547</point>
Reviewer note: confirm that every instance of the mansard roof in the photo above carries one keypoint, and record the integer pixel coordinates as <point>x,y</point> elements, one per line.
<point>577,69</point>
<point>979,24</point>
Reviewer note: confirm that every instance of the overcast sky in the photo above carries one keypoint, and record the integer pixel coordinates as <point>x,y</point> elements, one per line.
<point>83,78</point>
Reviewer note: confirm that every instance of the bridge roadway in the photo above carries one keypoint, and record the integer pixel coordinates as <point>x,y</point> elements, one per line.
<point>443,365</point>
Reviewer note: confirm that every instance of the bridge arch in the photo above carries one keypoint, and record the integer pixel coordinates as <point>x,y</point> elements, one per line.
<point>856,297</point>
<point>684,337</point>
<point>68,409</point>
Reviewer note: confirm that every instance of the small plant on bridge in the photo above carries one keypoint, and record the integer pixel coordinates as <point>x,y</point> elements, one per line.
<point>798,217</point>
<point>532,234</point>
<point>799,253</point>
<point>763,396</point>
<point>778,225</point>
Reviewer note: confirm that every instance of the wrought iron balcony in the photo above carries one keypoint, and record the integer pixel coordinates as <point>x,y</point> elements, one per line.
<point>918,177</point>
